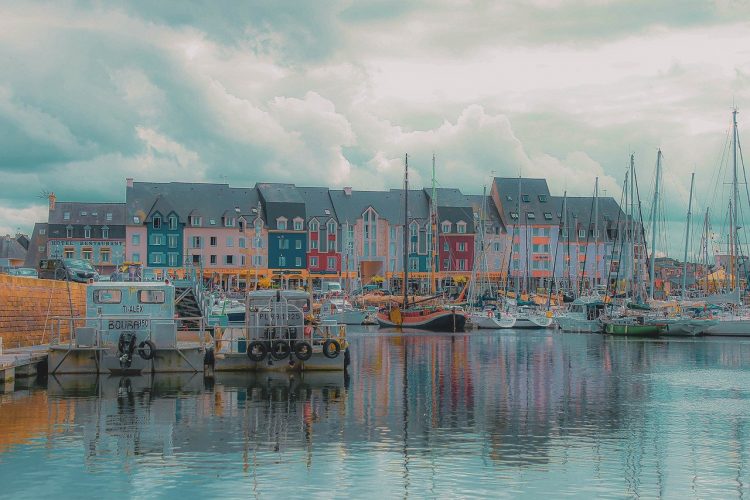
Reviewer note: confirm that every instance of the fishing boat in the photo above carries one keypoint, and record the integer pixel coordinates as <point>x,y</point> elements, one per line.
<point>434,318</point>
<point>341,310</point>
<point>582,316</point>
<point>129,328</point>
<point>633,327</point>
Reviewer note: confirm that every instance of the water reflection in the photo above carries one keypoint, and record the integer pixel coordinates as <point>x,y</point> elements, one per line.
<point>499,413</point>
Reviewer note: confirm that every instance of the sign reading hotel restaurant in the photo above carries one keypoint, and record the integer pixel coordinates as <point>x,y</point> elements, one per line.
<point>91,243</point>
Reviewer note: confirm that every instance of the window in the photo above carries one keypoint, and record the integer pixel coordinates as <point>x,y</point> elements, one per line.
<point>69,232</point>
<point>66,215</point>
<point>543,198</point>
<point>41,248</point>
<point>156,221</point>
<point>212,241</point>
<point>446,227</point>
<point>313,225</point>
<point>230,242</point>
<point>446,264</point>
<point>525,198</point>
<point>87,253</point>
<point>283,244</point>
<point>582,233</point>
<point>172,241</point>
<point>107,296</point>
<point>173,259</point>
<point>461,246</point>
<point>297,224</point>
<point>281,224</point>
<point>136,219</point>
<point>461,264</point>
<point>258,227</point>
<point>298,244</point>
<point>69,252</point>
<point>196,259</point>
<point>136,239</point>
<point>228,221</point>
<point>331,227</point>
<point>151,296</point>
<point>548,215</point>
<point>196,242</point>
<point>83,213</point>
<point>195,220</point>
<point>157,239</point>
<point>229,260</point>
<point>104,254</point>
<point>446,246</point>
<point>172,222</point>
<point>540,248</point>
<point>461,227</point>
<point>242,260</point>
<point>282,261</point>
<point>241,242</point>
<point>514,215</point>
<point>42,231</point>
<point>212,260</point>
<point>413,264</point>
<point>298,262</point>
<point>257,260</point>
<point>212,222</point>
<point>156,258</point>
<point>136,257</point>
<point>496,246</point>
<point>313,262</point>
<point>87,232</point>
<point>331,262</point>
<point>530,215</point>
<point>412,247</point>
<point>105,233</point>
<point>109,216</point>
<point>516,247</point>
<point>313,244</point>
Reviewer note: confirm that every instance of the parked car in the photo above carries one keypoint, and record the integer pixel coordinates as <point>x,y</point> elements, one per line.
<point>29,272</point>
<point>78,270</point>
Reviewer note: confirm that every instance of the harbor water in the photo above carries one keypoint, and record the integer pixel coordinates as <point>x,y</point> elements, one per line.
<point>482,414</point>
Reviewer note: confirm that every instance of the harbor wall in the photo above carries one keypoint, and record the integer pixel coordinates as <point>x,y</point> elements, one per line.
<point>27,306</point>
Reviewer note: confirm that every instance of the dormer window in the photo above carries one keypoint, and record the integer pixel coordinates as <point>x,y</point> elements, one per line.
<point>281,224</point>
<point>69,232</point>
<point>87,232</point>
<point>156,221</point>
<point>212,222</point>
<point>195,220</point>
<point>66,215</point>
<point>445,227</point>
<point>108,216</point>
<point>543,198</point>
<point>509,198</point>
<point>298,223</point>
<point>514,215</point>
<point>547,215</point>
<point>530,215</point>
<point>331,227</point>
<point>172,222</point>
<point>313,226</point>
<point>228,221</point>
<point>525,198</point>
<point>83,213</point>
<point>258,227</point>
<point>461,227</point>
<point>105,232</point>
<point>136,219</point>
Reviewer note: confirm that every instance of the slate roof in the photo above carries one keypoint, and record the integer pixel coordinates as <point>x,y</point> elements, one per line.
<point>580,213</point>
<point>281,200</point>
<point>210,201</point>
<point>388,204</point>
<point>535,190</point>
<point>491,216</point>
<point>75,208</point>
<point>453,206</point>
<point>317,201</point>
<point>10,248</point>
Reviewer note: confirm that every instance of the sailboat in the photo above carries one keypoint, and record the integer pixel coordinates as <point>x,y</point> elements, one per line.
<point>438,318</point>
<point>735,321</point>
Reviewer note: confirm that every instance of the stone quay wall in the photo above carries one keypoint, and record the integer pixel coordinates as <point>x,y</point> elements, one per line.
<point>28,306</point>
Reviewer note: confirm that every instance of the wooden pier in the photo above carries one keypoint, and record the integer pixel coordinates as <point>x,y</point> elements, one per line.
<point>20,362</point>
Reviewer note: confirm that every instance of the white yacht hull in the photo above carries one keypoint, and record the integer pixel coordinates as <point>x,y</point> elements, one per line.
<point>346,317</point>
<point>492,322</point>
<point>532,322</point>
<point>578,325</point>
<point>730,327</point>
<point>687,327</point>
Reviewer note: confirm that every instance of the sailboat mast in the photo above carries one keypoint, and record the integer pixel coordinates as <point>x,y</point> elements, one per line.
<point>631,236</point>
<point>518,225</point>
<point>433,230</point>
<point>735,204</point>
<point>596,234</point>
<point>406,228</point>
<point>654,211</point>
<point>687,237</point>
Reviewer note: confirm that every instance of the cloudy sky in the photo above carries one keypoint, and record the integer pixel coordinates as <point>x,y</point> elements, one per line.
<point>335,92</point>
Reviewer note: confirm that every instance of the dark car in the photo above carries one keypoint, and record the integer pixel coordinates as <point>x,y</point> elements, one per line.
<point>24,271</point>
<point>78,270</point>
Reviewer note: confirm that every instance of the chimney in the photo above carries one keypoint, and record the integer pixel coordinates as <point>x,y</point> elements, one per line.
<point>348,190</point>
<point>52,200</point>
<point>129,182</point>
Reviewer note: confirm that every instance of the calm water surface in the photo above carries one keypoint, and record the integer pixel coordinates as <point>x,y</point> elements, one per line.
<point>498,414</point>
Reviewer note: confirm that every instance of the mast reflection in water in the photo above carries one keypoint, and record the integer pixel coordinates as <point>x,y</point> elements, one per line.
<point>482,414</point>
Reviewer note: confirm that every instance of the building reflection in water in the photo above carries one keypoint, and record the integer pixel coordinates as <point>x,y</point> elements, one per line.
<point>536,412</point>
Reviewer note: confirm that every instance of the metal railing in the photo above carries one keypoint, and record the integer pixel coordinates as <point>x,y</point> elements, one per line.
<point>235,338</point>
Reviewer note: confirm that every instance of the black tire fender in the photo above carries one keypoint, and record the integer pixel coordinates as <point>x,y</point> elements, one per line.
<point>257,350</point>
<point>331,348</point>
<point>146,350</point>
<point>280,349</point>
<point>303,350</point>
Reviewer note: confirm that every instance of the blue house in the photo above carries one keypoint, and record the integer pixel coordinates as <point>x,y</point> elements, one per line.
<point>165,234</point>
<point>284,209</point>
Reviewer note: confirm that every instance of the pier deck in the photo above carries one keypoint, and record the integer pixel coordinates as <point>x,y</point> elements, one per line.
<point>20,362</point>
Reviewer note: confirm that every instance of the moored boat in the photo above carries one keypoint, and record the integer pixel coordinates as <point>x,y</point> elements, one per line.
<point>632,327</point>
<point>437,319</point>
<point>582,316</point>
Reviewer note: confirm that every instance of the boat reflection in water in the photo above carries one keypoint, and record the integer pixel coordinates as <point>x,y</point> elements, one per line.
<point>480,414</point>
